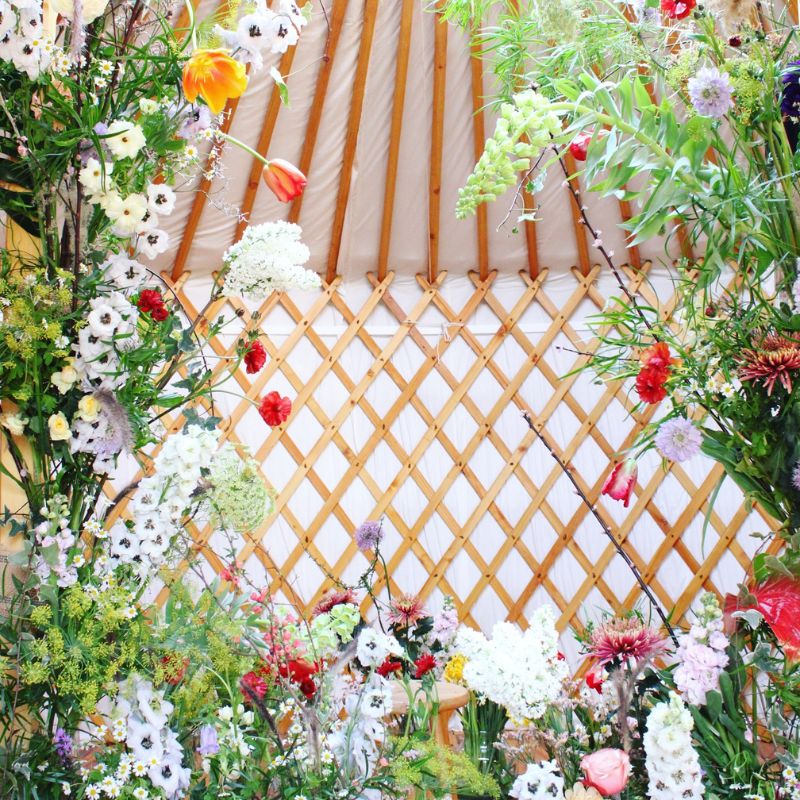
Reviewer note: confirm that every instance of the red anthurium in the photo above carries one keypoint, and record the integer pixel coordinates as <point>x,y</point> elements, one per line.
<point>284,179</point>
<point>778,601</point>
<point>621,482</point>
<point>424,665</point>
<point>275,409</point>
<point>255,356</point>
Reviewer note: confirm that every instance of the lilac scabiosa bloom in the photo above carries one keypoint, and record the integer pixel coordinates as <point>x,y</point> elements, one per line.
<point>62,744</point>
<point>678,439</point>
<point>711,92</point>
<point>368,535</point>
<point>209,746</point>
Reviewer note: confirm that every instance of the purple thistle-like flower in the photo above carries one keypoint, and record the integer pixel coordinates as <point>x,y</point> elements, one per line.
<point>209,745</point>
<point>368,535</point>
<point>711,92</point>
<point>678,439</point>
<point>62,742</point>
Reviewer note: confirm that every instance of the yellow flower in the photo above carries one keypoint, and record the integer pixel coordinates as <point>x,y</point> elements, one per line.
<point>580,792</point>
<point>88,408</point>
<point>454,671</point>
<point>64,380</point>
<point>59,427</point>
<point>215,76</point>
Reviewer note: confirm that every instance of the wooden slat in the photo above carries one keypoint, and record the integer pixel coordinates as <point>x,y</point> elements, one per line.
<point>584,260</point>
<point>351,140</point>
<point>398,106</point>
<point>437,144</point>
<point>479,140</point>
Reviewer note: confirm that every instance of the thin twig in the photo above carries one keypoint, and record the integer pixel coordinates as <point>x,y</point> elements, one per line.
<point>617,544</point>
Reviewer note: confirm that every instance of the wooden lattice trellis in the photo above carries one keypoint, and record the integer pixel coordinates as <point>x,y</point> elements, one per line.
<point>538,480</point>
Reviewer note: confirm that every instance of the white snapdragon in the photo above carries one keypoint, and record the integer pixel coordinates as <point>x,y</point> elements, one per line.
<point>267,258</point>
<point>673,767</point>
<point>519,671</point>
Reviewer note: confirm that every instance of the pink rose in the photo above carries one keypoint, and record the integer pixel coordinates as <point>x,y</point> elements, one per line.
<point>606,770</point>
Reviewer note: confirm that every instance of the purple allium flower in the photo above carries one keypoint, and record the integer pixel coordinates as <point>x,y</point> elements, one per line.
<point>368,535</point>
<point>711,92</point>
<point>678,439</point>
<point>62,743</point>
<point>209,745</point>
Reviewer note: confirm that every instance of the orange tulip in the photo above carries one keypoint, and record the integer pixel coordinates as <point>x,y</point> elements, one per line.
<point>285,180</point>
<point>215,76</point>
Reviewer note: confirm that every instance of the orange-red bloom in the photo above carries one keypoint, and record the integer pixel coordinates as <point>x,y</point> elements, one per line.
<point>658,355</point>
<point>215,76</point>
<point>284,179</point>
<point>650,384</point>
<point>778,601</point>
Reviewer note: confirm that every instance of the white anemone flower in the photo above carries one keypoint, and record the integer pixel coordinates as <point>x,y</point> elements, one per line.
<point>124,139</point>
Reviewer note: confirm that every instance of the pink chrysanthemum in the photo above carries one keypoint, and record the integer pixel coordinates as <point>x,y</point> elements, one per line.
<point>626,638</point>
<point>406,610</point>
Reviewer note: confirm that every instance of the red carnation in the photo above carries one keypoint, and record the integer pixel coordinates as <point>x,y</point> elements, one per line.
<point>424,665</point>
<point>389,667</point>
<point>300,672</point>
<point>658,355</point>
<point>678,9</point>
<point>253,685</point>
<point>255,356</point>
<point>159,313</point>
<point>650,384</point>
<point>151,302</point>
<point>275,409</point>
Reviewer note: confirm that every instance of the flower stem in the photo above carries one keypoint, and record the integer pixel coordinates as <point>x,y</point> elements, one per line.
<point>239,143</point>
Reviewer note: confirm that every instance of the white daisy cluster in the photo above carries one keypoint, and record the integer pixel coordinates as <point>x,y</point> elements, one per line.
<point>55,542</point>
<point>110,328</point>
<point>268,258</point>
<point>264,30</point>
<point>22,39</point>
<point>519,671</point>
<point>791,783</point>
<point>139,719</point>
<point>162,498</point>
<point>539,782</point>
<point>136,214</point>
<point>673,767</point>
<point>702,653</point>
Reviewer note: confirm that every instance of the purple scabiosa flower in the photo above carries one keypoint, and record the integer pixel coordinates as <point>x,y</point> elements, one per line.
<point>711,92</point>
<point>62,744</point>
<point>678,439</point>
<point>197,119</point>
<point>790,96</point>
<point>209,746</point>
<point>368,535</point>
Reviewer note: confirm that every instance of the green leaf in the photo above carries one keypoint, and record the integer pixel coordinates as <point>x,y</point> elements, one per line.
<point>283,89</point>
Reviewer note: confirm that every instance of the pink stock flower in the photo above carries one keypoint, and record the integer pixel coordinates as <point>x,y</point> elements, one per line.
<point>606,770</point>
<point>621,482</point>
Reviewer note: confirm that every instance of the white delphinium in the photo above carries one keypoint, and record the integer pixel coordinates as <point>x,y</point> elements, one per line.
<point>373,647</point>
<point>673,767</point>
<point>539,782</point>
<point>123,272</point>
<point>266,259</point>
<point>519,671</point>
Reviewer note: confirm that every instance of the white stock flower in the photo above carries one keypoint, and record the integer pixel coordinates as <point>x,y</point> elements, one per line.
<point>124,139</point>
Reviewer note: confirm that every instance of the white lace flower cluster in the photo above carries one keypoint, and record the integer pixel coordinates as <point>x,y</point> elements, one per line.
<point>519,671</point>
<point>55,542</point>
<point>673,767</point>
<point>110,328</point>
<point>139,719</point>
<point>268,258</point>
<point>539,782</point>
<point>163,497</point>
<point>702,653</point>
<point>522,132</point>
<point>22,39</point>
<point>264,30</point>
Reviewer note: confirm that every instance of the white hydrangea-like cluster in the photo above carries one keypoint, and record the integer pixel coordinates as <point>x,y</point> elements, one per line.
<point>539,782</point>
<point>139,718</point>
<point>673,767</point>
<point>268,258</point>
<point>163,497</point>
<point>264,30</point>
<point>110,328</point>
<point>520,671</point>
<point>702,653</point>
<point>522,132</point>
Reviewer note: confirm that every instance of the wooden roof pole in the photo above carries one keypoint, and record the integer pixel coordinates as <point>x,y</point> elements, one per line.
<point>479,136</point>
<point>437,140</point>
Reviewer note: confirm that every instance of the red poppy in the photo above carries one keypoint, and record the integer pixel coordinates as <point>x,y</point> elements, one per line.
<point>650,384</point>
<point>255,356</point>
<point>389,667</point>
<point>778,601</point>
<point>253,685</point>
<point>621,482</point>
<point>678,9</point>
<point>275,409</point>
<point>424,665</point>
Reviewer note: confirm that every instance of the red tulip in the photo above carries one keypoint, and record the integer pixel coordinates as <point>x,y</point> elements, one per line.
<point>215,76</point>
<point>778,601</point>
<point>284,179</point>
<point>275,409</point>
<point>620,483</point>
<point>255,356</point>
<point>579,146</point>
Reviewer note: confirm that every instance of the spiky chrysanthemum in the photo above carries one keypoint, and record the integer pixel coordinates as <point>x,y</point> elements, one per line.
<point>625,639</point>
<point>406,610</point>
<point>776,359</point>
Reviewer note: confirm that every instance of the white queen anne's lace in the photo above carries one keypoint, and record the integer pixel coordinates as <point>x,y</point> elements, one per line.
<point>518,670</point>
<point>268,258</point>
<point>673,767</point>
